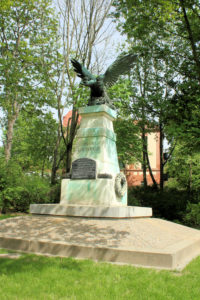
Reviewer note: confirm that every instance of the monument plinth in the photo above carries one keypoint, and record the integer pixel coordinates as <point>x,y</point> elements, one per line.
<point>94,161</point>
<point>96,187</point>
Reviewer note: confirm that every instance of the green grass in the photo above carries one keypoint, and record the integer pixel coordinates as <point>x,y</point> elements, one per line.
<point>40,277</point>
<point>5,216</point>
<point>10,216</point>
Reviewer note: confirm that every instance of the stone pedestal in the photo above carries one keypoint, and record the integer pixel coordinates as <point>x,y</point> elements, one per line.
<point>96,188</point>
<point>95,141</point>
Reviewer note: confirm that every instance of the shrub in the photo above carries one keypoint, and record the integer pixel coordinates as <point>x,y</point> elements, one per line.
<point>54,193</point>
<point>169,203</point>
<point>16,198</point>
<point>32,189</point>
<point>37,187</point>
<point>192,217</point>
<point>18,190</point>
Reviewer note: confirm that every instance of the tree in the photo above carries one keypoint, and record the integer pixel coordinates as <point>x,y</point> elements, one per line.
<point>128,140</point>
<point>82,31</point>
<point>143,104</point>
<point>173,27</point>
<point>33,141</point>
<point>167,33</point>
<point>184,170</point>
<point>27,36</point>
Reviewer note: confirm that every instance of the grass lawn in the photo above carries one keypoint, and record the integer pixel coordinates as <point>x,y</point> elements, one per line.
<point>40,277</point>
<point>5,216</point>
<point>10,215</point>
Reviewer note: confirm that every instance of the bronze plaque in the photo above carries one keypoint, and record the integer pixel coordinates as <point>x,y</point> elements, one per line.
<point>84,168</point>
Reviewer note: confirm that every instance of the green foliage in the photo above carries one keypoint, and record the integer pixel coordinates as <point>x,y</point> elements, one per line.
<point>29,57</point>
<point>16,197</point>
<point>18,189</point>
<point>179,201</point>
<point>165,34</point>
<point>80,96</point>
<point>184,168</point>
<point>38,277</point>
<point>54,193</point>
<point>192,216</point>
<point>34,141</point>
<point>6,217</point>
<point>184,115</point>
<point>27,53</point>
<point>169,204</point>
<point>128,140</point>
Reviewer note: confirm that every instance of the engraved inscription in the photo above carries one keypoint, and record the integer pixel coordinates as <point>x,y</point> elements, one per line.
<point>84,168</point>
<point>95,149</point>
<point>105,175</point>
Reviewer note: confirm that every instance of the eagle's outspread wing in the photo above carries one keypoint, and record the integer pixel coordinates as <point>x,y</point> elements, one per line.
<point>81,71</point>
<point>120,66</point>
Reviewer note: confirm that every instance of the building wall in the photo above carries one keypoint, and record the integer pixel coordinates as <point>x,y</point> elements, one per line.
<point>67,117</point>
<point>134,173</point>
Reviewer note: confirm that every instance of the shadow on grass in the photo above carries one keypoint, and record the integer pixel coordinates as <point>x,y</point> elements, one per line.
<point>33,263</point>
<point>13,215</point>
<point>69,264</point>
<point>2,217</point>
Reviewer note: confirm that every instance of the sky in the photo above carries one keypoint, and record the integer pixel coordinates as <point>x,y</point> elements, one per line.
<point>114,42</point>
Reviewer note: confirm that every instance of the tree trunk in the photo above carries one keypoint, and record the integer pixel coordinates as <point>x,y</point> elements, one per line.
<point>43,165</point>
<point>4,205</point>
<point>161,156</point>
<point>191,38</point>
<point>190,181</point>
<point>69,158</point>
<point>72,132</point>
<point>55,166</point>
<point>9,135</point>
<point>144,151</point>
<point>53,174</point>
<point>150,171</point>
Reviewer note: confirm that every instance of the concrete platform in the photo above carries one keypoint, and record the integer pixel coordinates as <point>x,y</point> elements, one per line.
<point>145,242</point>
<point>91,211</point>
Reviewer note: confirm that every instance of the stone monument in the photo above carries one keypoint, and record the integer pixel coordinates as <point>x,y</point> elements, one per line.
<point>95,166</point>
<point>95,186</point>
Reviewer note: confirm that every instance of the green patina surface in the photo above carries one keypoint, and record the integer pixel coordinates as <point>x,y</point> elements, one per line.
<point>96,109</point>
<point>88,189</point>
<point>91,191</point>
<point>89,147</point>
<point>96,132</point>
<point>101,149</point>
<point>124,199</point>
<point>99,144</point>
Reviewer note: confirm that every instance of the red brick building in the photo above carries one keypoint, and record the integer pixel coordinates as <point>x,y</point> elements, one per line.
<point>67,117</point>
<point>134,173</point>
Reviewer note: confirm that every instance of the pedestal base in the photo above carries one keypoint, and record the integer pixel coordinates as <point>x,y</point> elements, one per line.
<point>96,192</point>
<point>91,211</point>
<point>144,242</point>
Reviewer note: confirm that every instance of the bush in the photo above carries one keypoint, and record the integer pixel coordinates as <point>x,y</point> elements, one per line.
<point>169,204</point>
<point>54,193</point>
<point>37,188</point>
<point>192,217</point>
<point>18,190</point>
<point>15,198</point>
<point>31,189</point>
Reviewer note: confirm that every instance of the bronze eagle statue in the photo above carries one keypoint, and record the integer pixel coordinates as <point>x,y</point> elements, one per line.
<point>98,84</point>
